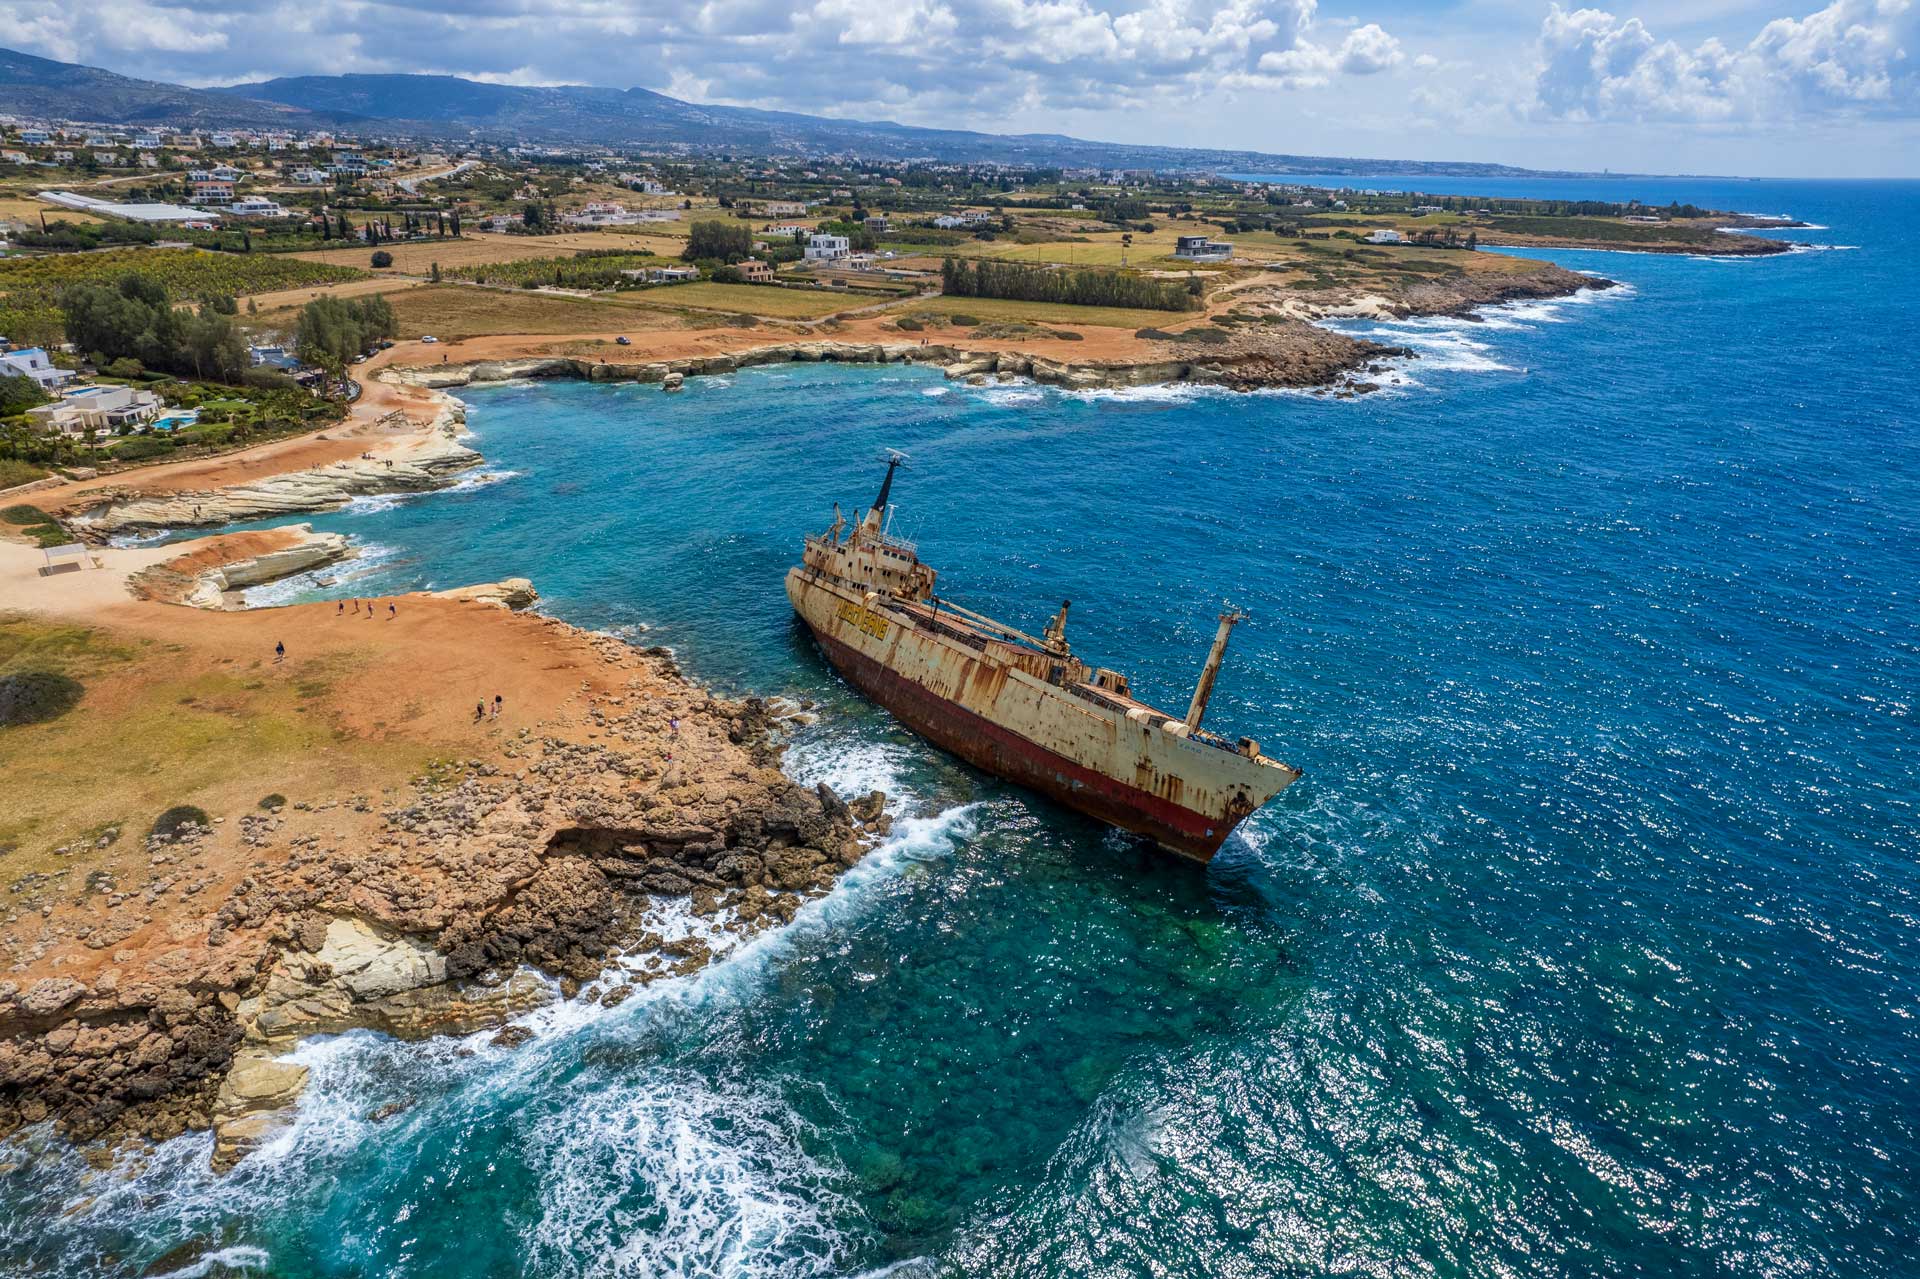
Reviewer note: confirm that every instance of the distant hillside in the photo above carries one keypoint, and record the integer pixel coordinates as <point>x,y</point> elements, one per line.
<point>446,107</point>
<point>33,86</point>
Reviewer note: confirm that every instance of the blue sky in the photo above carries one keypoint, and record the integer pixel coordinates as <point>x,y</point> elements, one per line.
<point>1765,87</point>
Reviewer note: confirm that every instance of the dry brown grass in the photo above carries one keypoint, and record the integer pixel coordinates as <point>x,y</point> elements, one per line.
<point>476,248</point>
<point>24,208</point>
<point>452,311</point>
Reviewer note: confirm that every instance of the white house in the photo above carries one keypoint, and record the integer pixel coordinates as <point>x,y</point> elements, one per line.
<point>31,361</point>
<point>256,206</point>
<point>1200,248</point>
<point>35,137</point>
<point>1385,235</point>
<point>204,188</point>
<point>147,142</point>
<point>310,177</point>
<point>664,274</point>
<point>97,408</point>
<point>828,248</point>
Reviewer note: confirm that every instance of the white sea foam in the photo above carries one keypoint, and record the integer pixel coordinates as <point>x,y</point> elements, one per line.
<point>935,392</point>
<point>1012,395</point>
<point>124,541</point>
<point>666,1175</point>
<point>478,479</point>
<point>368,559</point>
<point>238,1260</point>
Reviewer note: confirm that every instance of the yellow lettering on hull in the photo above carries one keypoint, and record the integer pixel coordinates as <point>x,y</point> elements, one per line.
<point>870,622</point>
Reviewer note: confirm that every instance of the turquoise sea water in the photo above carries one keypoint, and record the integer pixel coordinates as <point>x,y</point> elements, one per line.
<point>1587,945</point>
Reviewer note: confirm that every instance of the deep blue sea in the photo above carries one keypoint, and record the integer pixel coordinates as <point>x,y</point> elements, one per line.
<point>1586,946</point>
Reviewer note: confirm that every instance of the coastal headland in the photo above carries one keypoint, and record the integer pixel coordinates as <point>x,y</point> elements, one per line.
<point>432,813</point>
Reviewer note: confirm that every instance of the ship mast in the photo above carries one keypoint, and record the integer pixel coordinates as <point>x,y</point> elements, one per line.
<point>1204,689</point>
<point>877,513</point>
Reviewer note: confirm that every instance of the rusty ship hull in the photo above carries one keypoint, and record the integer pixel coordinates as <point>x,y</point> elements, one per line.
<point>1004,707</point>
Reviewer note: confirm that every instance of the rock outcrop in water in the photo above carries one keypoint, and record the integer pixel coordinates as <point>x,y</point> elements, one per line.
<point>429,465</point>
<point>204,578</point>
<point>483,891</point>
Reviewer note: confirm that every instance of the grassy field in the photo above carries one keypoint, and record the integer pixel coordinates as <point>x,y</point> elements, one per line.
<point>475,249</point>
<point>24,208</point>
<point>451,311</point>
<point>149,731</point>
<point>1048,313</point>
<point>1102,248</point>
<point>753,299</point>
<point>346,289</point>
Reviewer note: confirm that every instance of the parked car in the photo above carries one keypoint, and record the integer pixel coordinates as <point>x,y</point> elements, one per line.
<point>622,340</point>
<point>429,338</point>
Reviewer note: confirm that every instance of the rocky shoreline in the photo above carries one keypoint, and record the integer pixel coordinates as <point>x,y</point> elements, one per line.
<point>431,464</point>
<point>487,889</point>
<point>1292,354</point>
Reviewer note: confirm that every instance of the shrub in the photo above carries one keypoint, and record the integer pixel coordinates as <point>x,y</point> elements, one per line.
<point>34,697</point>
<point>13,471</point>
<point>963,321</point>
<point>170,823</point>
<point>1067,335</point>
<point>141,448</point>
<point>382,258</point>
<point>908,323</point>
<point>273,802</point>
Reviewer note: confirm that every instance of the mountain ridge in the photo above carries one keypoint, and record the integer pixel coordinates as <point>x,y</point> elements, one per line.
<point>451,108</point>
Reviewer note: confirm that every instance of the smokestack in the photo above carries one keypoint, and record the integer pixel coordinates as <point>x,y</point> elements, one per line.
<point>1204,689</point>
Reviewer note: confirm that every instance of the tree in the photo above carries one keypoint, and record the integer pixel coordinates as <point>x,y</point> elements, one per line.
<point>724,241</point>
<point>332,330</point>
<point>18,393</point>
<point>382,258</point>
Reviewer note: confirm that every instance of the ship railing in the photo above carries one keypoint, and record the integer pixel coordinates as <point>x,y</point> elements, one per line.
<point>897,543</point>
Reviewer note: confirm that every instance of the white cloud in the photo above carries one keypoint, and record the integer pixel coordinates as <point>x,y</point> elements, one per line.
<point>920,59</point>
<point>1854,57</point>
<point>1368,51</point>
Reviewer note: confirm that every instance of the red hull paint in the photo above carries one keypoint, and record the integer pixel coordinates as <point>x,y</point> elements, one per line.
<point>987,746</point>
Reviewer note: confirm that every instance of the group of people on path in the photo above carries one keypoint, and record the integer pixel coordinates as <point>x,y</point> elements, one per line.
<point>485,710</point>
<point>343,611</point>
